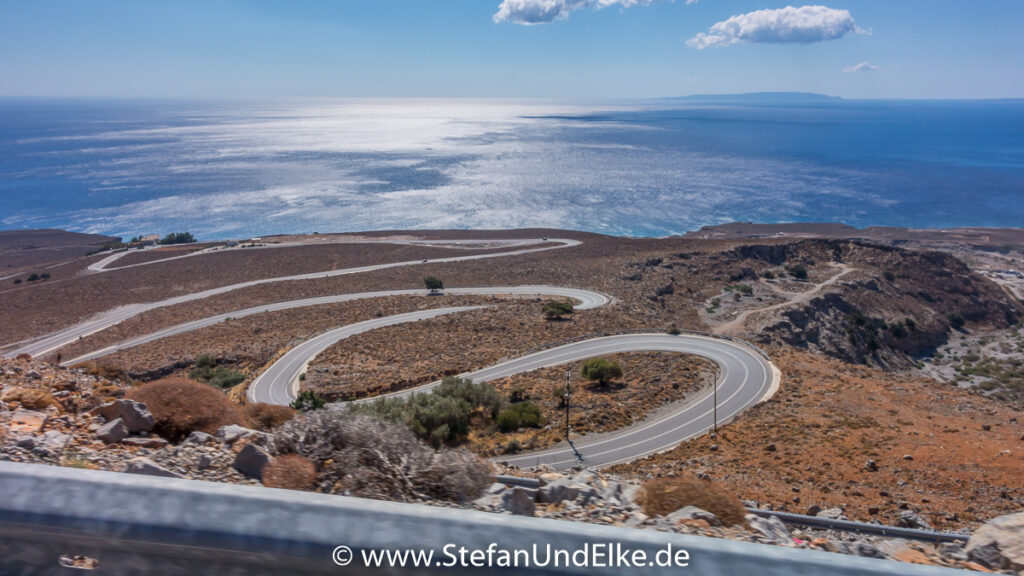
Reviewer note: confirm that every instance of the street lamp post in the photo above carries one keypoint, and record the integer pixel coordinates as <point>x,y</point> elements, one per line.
<point>567,392</point>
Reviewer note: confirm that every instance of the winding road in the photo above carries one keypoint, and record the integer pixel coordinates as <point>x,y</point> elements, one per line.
<point>104,320</point>
<point>746,375</point>
<point>587,298</point>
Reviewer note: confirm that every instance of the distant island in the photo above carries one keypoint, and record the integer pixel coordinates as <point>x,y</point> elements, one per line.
<point>766,97</point>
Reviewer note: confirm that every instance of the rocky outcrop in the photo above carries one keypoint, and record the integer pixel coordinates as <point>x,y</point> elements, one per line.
<point>113,431</point>
<point>999,544</point>
<point>147,467</point>
<point>251,461</point>
<point>135,415</point>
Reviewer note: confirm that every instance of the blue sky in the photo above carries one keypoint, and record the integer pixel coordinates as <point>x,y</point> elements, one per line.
<point>459,48</point>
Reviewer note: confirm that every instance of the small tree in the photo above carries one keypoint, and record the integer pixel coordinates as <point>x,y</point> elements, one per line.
<point>177,238</point>
<point>307,401</point>
<point>435,285</point>
<point>601,370</point>
<point>555,310</point>
<point>797,271</point>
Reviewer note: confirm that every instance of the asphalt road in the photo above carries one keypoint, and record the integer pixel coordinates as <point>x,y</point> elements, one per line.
<point>104,320</point>
<point>278,384</point>
<point>587,298</point>
<point>745,378</point>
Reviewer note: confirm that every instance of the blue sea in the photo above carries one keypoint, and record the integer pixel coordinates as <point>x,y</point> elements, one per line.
<point>641,168</point>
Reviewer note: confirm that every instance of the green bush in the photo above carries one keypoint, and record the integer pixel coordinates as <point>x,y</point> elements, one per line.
<point>740,288</point>
<point>307,401</point>
<point>956,319</point>
<point>601,370</point>
<point>177,238</point>
<point>442,416</point>
<point>521,415</point>
<point>518,395</point>
<point>433,284</point>
<point>797,271</point>
<point>898,330</point>
<point>480,397</point>
<point>209,372</point>
<point>554,310</point>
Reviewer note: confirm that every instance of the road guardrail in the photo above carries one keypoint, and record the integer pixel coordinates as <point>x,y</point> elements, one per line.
<point>135,524</point>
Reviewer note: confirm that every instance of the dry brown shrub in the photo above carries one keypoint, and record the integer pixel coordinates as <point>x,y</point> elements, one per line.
<point>103,371</point>
<point>666,495</point>
<point>182,406</point>
<point>108,391</point>
<point>377,459</point>
<point>31,398</point>
<point>266,417</point>
<point>291,472</point>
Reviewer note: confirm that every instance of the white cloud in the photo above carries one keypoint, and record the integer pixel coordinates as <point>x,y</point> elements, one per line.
<point>530,12</point>
<point>787,25</point>
<point>862,67</point>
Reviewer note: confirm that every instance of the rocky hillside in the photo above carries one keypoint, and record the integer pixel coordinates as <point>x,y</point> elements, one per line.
<point>894,306</point>
<point>64,417</point>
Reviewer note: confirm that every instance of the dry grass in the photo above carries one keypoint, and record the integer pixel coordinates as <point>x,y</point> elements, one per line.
<point>809,445</point>
<point>266,417</point>
<point>101,370</point>
<point>666,495</point>
<point>182,406</point>
<point>31,398</point>
<point>291,472</point>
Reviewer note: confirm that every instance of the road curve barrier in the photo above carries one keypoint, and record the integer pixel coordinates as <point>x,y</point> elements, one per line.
<point>132,524</point>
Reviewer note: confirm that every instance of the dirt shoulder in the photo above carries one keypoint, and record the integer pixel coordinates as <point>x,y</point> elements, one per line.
<point>951,456</point>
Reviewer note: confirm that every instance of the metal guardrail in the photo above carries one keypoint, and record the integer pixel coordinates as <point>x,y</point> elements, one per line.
<point>148,525</point>
<point>861,527</point>
<point>803,520</point>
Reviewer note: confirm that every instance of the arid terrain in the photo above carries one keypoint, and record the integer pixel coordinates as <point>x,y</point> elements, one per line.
<point>900,351</point>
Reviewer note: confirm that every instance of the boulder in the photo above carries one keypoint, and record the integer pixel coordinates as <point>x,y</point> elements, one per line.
<point>999,543</point>
<point>135,415</point>
<point>145,441</point>
<point>689,513</point>
<point>518,501</point>
<point>147,467</point>
<point>629,493</point>
<point>867,550</point>
<point>557,491</point>
<point>27,421</point>
<point>489,502</point>
<point>233,433</point>
<point>112,432</point>
<point>832,514</point>
<point>909,519</point>
<point>496,488</point>
<point>251,460</point>
<point>771,528</point>
<point>204,462</point>
<point>26,442</point>
<point>199,438</point>
<point>53,440</point>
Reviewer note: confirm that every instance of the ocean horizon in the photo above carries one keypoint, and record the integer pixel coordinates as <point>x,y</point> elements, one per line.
<point>227,169</point>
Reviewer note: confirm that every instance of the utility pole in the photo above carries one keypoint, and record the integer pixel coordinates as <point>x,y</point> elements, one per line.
<point>715,400</point>
<point>567,392</point>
